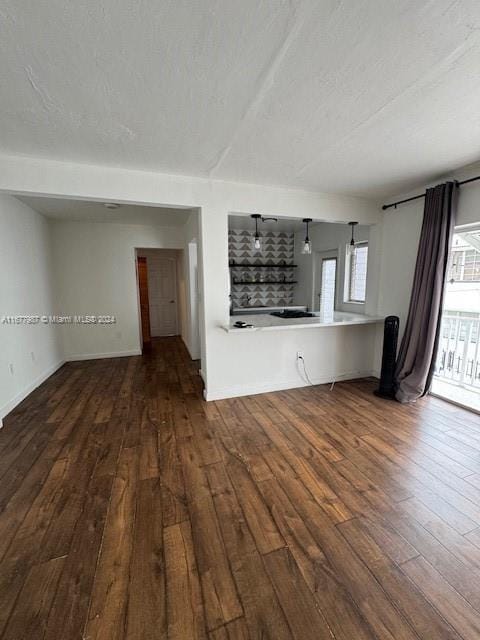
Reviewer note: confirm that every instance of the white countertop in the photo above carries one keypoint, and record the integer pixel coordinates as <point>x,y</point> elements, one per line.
<point>266,322</point>
<point>238,311</point>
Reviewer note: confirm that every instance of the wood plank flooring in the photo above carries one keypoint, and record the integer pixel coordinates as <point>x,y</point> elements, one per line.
<point>131,509</point>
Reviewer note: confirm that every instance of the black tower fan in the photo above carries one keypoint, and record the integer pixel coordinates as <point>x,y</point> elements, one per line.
<point>389,356</point>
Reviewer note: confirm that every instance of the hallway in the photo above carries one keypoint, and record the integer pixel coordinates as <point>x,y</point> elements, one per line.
<point>133,509</point>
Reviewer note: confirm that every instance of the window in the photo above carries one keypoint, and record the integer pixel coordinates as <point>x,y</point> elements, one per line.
<point>327,291</point>
<point>456,265</point>
<point>464,259</point>
<point>356,273</point>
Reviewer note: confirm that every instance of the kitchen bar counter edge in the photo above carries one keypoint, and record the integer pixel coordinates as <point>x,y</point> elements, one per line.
<point>265,322</point>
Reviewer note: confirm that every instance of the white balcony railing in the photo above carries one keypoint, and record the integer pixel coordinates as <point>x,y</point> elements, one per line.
<point>458,356</point>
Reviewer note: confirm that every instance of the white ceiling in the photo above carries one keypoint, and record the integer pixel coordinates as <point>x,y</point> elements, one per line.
<point>362,96</point>
<point>82,210</point>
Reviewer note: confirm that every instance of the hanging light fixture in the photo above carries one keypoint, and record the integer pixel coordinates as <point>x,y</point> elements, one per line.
<point>307,245</point>
<point>257,245</point>
<point>264,219</point>
<point>351,246</point>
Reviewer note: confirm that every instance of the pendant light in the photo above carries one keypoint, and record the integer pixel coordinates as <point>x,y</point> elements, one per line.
<point>264,219</point>
<point>307,245</point>
<point>257,245</point>
<point>351,246</point>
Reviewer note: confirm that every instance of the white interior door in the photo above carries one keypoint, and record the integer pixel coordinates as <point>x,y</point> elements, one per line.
<point>162,289</point>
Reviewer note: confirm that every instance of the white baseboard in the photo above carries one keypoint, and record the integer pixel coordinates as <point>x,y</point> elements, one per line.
<point>11,404</point>
<point>193,355</point>
<point>250,390</point>
<point>101,356</point>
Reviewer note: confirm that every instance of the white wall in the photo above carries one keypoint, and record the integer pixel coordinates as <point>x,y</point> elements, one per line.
<point>228,360</point>
<point>468,196</point>
<point>265,361</point>
<point>192,246</point>
<point>96,275</point>
<point>400,236</point>
<point>26,288</point>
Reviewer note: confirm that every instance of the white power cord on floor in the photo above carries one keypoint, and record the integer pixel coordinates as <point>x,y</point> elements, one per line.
<point>299,357</point>
<point>305,370</point>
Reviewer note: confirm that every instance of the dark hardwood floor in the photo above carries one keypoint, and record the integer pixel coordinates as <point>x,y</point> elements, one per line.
<point>132,509</point>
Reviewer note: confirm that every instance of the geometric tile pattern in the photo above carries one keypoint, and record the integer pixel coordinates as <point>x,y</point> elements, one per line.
<point>277,249</point>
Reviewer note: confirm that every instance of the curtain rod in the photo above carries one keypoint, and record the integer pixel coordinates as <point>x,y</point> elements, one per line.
<point>422,195</point>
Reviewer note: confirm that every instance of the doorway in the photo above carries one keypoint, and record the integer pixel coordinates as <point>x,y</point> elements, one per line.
<point>194,323</point>
<point>159,293</point>
<point>142,280</point>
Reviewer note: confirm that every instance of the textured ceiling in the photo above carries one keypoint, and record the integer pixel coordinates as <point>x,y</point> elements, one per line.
<point>362,96</point>
<point>83,210</point>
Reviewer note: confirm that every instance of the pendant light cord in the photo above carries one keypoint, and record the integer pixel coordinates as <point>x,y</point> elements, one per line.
<point>353,225</point>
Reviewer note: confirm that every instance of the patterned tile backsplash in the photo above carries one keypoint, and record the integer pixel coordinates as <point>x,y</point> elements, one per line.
<point>269,288</point>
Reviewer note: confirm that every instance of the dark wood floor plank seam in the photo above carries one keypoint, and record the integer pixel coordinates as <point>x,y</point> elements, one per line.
<point>437,554</point>
<point>109,487</point>
<point>99,549</point>
<point>310,512</point>
<point>394,584</point>
<point>338,607</point>
<point>248,550</point>
<point>432,483</point>
<point>111,577</point>
<point>468,625</point>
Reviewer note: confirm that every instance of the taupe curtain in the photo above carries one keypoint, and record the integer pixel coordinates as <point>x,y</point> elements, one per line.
<point>416,358</point>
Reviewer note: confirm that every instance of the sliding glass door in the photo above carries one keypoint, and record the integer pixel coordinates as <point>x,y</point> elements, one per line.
<point>457,369</point>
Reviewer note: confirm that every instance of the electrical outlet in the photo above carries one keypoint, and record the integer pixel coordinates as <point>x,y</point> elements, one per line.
<point>299,355</point>
<point>10,367</point>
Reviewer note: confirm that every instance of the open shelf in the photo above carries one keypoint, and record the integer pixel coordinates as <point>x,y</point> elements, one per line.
<point>265,282</point>
<point>266,266</point>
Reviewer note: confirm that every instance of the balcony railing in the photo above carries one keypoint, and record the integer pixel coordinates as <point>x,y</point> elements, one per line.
<point>458,356</point>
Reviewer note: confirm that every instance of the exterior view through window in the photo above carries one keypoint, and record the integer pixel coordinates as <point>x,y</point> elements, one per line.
<point>457,368</point>
<point>329,276</point>
<point>356,271</point>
